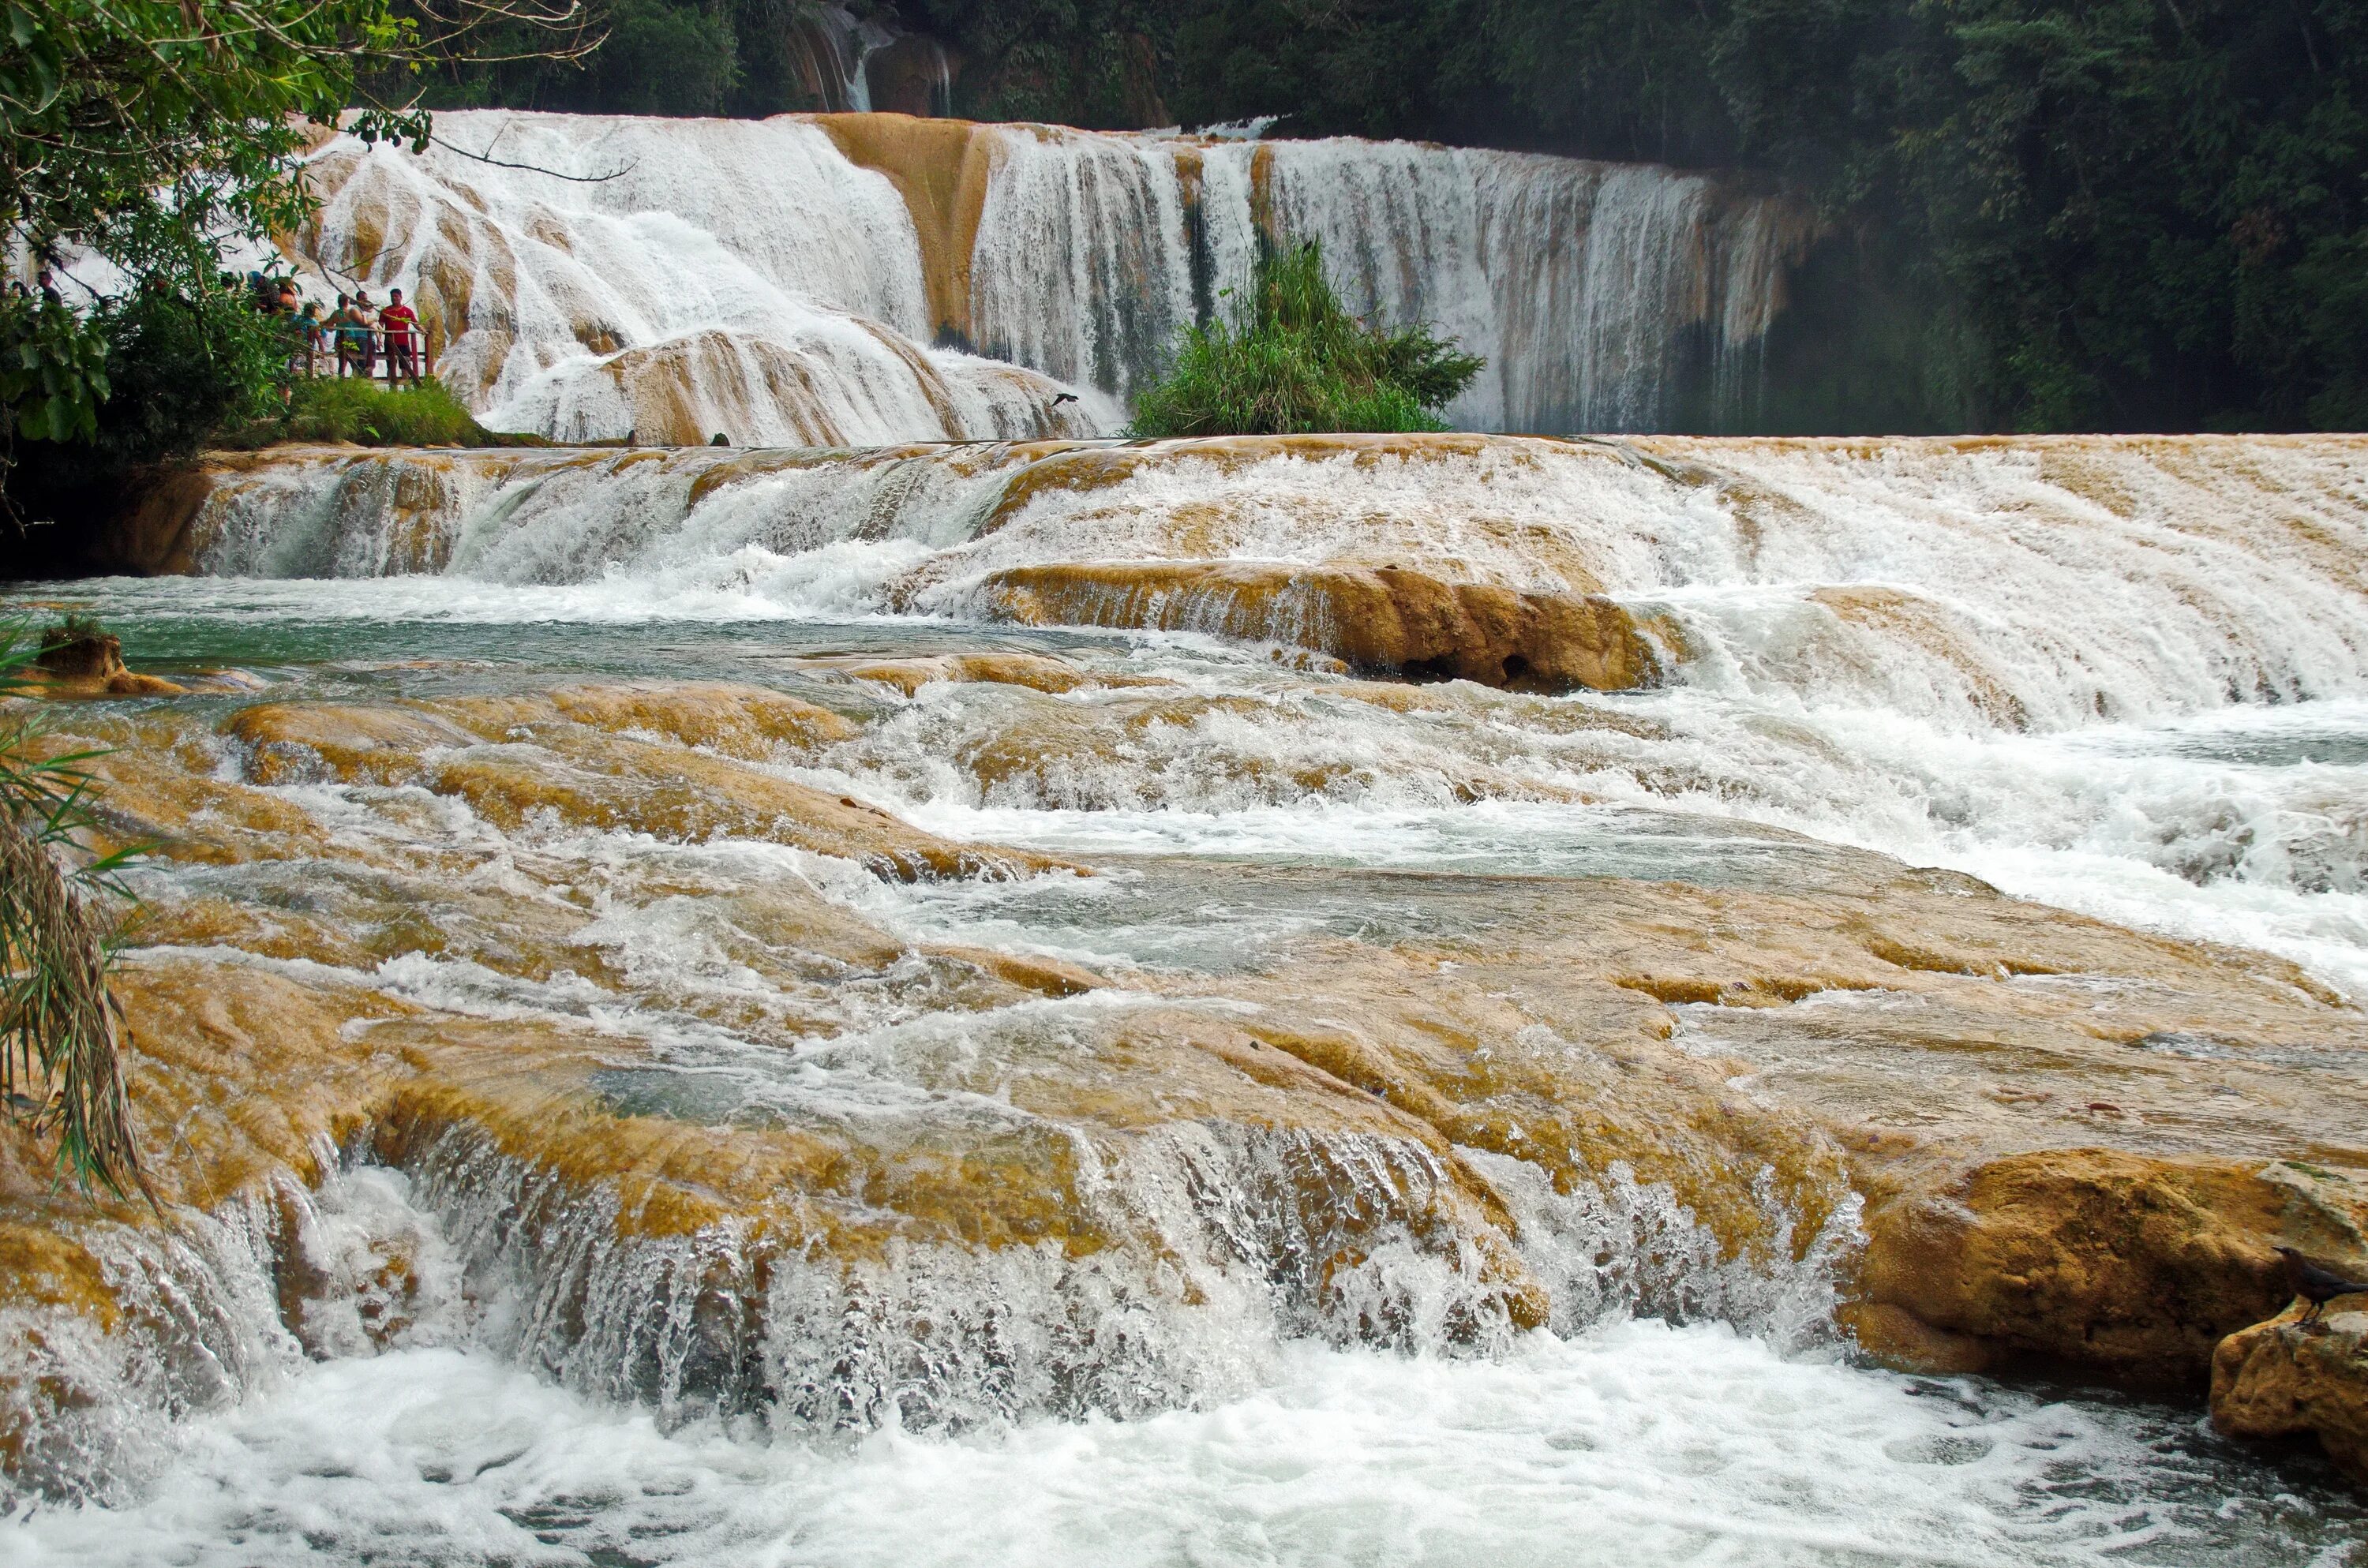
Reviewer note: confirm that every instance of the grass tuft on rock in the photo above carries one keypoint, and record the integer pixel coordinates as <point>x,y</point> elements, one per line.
<point>1304,364</point>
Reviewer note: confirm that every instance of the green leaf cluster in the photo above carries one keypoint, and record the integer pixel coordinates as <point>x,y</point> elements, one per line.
<point>170,373</point>
<point>52,370</point>
<point>1302,363</point>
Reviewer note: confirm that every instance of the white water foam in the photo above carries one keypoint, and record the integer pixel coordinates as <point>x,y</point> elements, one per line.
<point>1636,1445</point>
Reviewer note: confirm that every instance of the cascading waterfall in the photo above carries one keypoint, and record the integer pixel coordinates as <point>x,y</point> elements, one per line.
<point>633,288</point>
<point>1925,578</point>
<point>795,280</point>
<point>1924,581</point>
<point>1586,287</point>
<point>720,1038</point>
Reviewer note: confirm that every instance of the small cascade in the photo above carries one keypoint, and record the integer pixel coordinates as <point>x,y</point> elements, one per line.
<point>802,281</point>
<point>1231,1241</point>
<point>2207,570</point>
<point>831,49</point>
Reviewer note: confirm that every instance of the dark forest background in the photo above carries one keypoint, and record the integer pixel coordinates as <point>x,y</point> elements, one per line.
<point>2042,214</point>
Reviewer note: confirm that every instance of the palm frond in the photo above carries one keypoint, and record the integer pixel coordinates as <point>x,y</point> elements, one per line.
<point>61,1049</point>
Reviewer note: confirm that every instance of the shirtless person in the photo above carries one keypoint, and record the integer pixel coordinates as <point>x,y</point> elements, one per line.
<point>400,324</point>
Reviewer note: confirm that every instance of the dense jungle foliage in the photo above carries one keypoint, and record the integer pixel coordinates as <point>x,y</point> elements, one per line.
<point>2046,214</point>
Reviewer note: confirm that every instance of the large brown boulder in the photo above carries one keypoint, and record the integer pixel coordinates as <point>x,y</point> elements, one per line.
<point>2096,1261</point>
<point>1380,620</point>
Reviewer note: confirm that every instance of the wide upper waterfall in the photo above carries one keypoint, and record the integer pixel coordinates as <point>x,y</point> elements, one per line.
<point>851,279</point>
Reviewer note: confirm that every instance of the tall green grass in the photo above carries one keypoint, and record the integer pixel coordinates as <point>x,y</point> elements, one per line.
<point>61,1062</point>
<point>349,408</point>
<point>1302,364</point>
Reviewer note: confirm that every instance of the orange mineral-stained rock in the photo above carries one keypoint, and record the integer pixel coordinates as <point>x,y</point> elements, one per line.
<point>1380,620</point>
<point>941,169</point>
<point>2122,1266</point>
<point>2286,1378</point>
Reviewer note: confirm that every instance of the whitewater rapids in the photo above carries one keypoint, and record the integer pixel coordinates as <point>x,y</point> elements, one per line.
<point>2126,675</point>
<point>743,1046</point>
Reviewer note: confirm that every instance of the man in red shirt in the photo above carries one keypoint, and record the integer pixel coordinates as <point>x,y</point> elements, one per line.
<point>400,326</point>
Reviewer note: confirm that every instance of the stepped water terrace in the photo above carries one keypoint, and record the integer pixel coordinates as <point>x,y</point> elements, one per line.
<point>1345,999</point>
<point>868,277</point>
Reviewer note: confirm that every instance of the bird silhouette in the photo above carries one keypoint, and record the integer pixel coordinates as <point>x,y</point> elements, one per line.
<point>2317,1283</point>
<point>1060,398</point>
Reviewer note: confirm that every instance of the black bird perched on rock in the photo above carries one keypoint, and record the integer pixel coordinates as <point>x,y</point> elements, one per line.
<point>2317,1283</point>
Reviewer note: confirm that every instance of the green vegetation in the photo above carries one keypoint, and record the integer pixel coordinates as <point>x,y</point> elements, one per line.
<point>61,1065</point>
<point>349,408</point>
<point>147,131</point>
<point>150,134</point>
<point>1302,364</point>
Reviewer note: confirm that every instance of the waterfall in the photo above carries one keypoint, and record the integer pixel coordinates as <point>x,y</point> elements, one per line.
<point>664,1004</point>
<point>1928,577</point>
<point>816,280</point>
<point>1082,266</point>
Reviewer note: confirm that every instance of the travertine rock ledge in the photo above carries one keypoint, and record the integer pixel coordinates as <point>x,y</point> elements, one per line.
<point>1380,620</point>
<point>2091,1262</point>
<point>2284,1378</point>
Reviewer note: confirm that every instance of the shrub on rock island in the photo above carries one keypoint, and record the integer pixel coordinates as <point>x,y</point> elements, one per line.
<point>1304,364</point>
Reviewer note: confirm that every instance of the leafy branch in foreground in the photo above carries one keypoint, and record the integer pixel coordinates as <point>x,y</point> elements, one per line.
<point>140,140</point>
<point>61,1064</point>
<point>1304,364</point>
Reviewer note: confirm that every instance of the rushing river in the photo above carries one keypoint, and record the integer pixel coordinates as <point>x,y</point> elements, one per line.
<point>1254,817</point>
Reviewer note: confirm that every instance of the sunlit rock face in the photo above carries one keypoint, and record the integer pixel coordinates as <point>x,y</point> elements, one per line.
<point>864,278</point>
<point>2305,1372</point>
<point>2286,1379</point>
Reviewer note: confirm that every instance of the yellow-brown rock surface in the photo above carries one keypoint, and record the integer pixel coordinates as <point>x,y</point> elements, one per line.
<point>1384,620</point>
<point>424,925</point>
<point>2286,1379</point>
